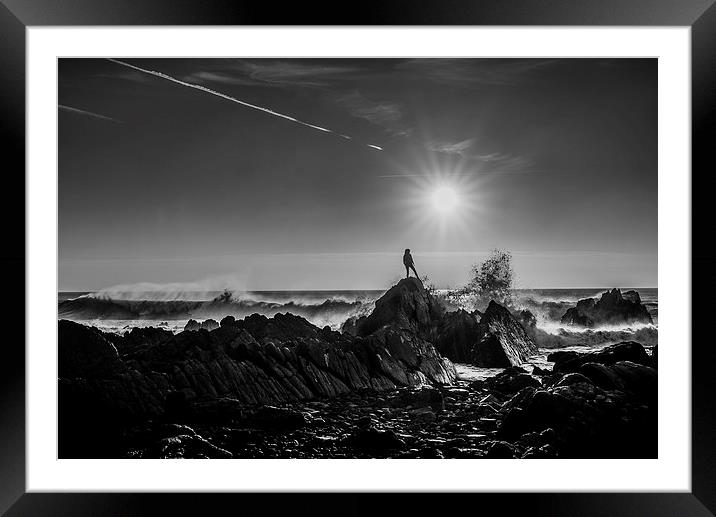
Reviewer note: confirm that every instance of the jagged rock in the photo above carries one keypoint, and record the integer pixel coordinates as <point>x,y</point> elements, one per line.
<point>406,305</point>
<point>527,319</point>
<point>350,326</point>
<point>85,352</point>
<point>627,351</point>
<point>227,321</point>
<point>456,335</point>
<point>291,360</point>
<point>138,339</point>
<point>280,328</point>
<point>497,340</point>
<point>502,342</point>
<point>193,325</point>
<point>612,308</point>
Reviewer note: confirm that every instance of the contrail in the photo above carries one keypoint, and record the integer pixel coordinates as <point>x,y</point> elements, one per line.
<point>234,99</point>
<point>87,113</point>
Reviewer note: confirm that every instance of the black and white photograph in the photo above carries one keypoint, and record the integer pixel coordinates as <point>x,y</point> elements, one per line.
<point>350,258</point>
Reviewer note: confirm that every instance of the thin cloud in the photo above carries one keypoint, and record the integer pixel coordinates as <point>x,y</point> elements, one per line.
<point>86,113</point>
<point>505,162</point>
<point>451,148</point>
<point>386,115</point>
<point>218,77</point>
<point>276,74</point>
<point>495,161</point>
<point>128,75</point>
<point>472,72</point>
<point>294,74</point>
<point>230,98</point>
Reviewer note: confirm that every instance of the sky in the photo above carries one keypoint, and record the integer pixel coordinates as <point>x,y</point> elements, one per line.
<point>272,174</point>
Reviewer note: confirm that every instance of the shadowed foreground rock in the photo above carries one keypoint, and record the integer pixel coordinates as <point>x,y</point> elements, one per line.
<point>598,412</point>
<point>566,362</point>
<point>258,360</point>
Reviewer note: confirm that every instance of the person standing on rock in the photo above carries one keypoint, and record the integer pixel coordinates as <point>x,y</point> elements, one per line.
<point>409,264</point>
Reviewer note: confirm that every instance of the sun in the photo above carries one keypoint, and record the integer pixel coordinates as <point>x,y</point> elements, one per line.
<point>444,199</point>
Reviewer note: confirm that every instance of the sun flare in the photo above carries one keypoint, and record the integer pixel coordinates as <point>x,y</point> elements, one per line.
<point>444,199</point>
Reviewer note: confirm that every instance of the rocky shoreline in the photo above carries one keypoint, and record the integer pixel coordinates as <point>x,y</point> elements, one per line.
<point>384,387</point>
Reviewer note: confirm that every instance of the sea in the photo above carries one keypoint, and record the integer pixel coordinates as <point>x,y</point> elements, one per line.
<point>119,311</point>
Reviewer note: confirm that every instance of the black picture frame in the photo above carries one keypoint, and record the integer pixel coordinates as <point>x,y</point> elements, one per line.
<point>17,15</point>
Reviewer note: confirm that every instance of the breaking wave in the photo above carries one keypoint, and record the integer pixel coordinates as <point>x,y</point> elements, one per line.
<point>332,311</point>
<point>122,307</point>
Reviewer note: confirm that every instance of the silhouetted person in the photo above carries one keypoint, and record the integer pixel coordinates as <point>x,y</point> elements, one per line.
<point>409,264</point>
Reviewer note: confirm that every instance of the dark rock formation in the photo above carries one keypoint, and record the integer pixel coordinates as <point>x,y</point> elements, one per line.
<point>527,319</point>
<point>566,362</point>
<point>502,342</point>
<point>85,352</point>
<point>406,305</point>
<point>282,359</point>
<point>599,411</point>
<point>281,387</point>
<point>612,308</point>
<point>209,324</point>
<point>456,336</point>
<point>496,340</point>
<point>227,321</point>
<point>137,339</point>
